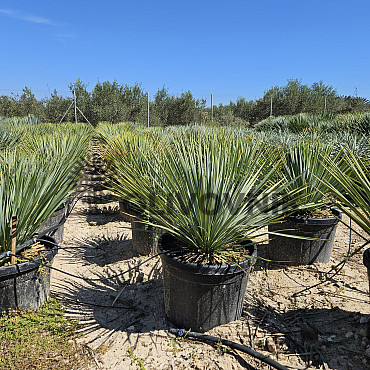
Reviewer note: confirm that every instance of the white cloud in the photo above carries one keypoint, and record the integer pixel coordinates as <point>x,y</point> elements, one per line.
<point>26,17</point>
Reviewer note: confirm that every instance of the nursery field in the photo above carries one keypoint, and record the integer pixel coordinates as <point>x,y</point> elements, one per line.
<point>186,246</point>
<point>325,326</point>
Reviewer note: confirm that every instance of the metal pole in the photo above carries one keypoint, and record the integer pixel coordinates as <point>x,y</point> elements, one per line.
<point>211,109</point>
<point>84,115</point>
<point>74,96</point>
<point>271,105</point>
<point>325,104</point>
<point>66,112</point>
<point>148,107</point>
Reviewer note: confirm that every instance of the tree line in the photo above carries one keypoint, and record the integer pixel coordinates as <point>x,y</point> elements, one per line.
<point>114,102</point>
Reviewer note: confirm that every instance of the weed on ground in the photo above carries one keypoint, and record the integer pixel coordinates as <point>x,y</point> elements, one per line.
<point>41,339</point>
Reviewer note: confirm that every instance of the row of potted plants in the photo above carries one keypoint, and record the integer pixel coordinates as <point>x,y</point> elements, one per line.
<point>38,175</point>
<point>213,194</point>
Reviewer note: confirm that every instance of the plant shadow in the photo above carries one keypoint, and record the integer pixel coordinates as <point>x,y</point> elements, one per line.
<point>99,199</point>
<point>100,251</point>
<point>103,218</point>
<point>321,337</point>
<point>116,300</point>
<point>106,309</point>
<point>125,299</point>
<point>263,261</point>
<point>105,250</point>
<point>101,215</point>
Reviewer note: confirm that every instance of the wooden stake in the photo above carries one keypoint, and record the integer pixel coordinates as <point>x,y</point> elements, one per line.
<point>14,239</point>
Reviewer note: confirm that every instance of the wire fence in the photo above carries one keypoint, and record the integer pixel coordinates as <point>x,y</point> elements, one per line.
<point>160,108</point>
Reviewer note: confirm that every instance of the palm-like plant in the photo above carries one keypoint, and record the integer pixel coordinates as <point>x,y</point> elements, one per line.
<point>302,168</point>
<point>352,174</point>
<point>129,161</point>
<point>8,138</point>
<point>35,182</point>
<point>210,192</point>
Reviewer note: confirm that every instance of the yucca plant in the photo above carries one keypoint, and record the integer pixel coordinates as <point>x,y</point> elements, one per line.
<point>35,182</point>
<point>358,123</point>
<point>212,194</point>
<point>209,191</point>
<point>128,159</point>
<point>358,144</point>
<point>302,168</point>
<point>307,235</point>
<point>27,120</point>
<point>8,138</point>
<point>352,195</point>
<point>126,164</point>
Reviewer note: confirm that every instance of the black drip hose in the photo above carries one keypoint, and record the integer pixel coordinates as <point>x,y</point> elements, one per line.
<point>8,254</point>
<point>228,343</point>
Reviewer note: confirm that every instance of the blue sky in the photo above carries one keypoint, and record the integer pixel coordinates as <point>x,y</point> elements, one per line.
<point>228,48</point>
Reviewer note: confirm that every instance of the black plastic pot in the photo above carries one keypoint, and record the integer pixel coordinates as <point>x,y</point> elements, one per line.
<point>27,285</point>
<point>296,252</point>
<point>144,238</point>
<point>56,221</point>
<point>367,263</point>
<point>126,210</point>
<point>201,297</point>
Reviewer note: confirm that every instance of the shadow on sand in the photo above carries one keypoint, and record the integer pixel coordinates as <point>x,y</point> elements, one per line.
<point>120,298</point>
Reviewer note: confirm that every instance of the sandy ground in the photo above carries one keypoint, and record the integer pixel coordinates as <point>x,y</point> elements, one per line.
<point>324,327</point>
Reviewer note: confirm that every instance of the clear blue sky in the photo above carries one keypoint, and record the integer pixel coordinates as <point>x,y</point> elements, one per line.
<point>230,48</point>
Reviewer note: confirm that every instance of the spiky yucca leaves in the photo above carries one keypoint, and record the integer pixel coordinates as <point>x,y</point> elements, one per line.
<point>8,138</point>
<point>358,144</point>
<point>352,173</point>
<point>34,183</point>
<point>355,123</point>
<point>36,132</point>
<point>209,191</point>
<point>27,120</point>
<point>358,123</point>
<point>63,145</point>
<point>128,161</point>
<point>302,168</point>
<point>27,135</point>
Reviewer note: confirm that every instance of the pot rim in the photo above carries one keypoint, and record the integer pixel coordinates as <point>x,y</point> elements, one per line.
<point>22,267</point>
<point>315,220</point>
<point>207,269</point>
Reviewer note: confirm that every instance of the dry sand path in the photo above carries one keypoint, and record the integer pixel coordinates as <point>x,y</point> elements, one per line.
<point>325,327</point>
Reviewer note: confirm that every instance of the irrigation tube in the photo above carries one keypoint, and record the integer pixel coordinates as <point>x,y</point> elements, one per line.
<point>34,240</point>
<point>9,253</point>
<point>239,347</point>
